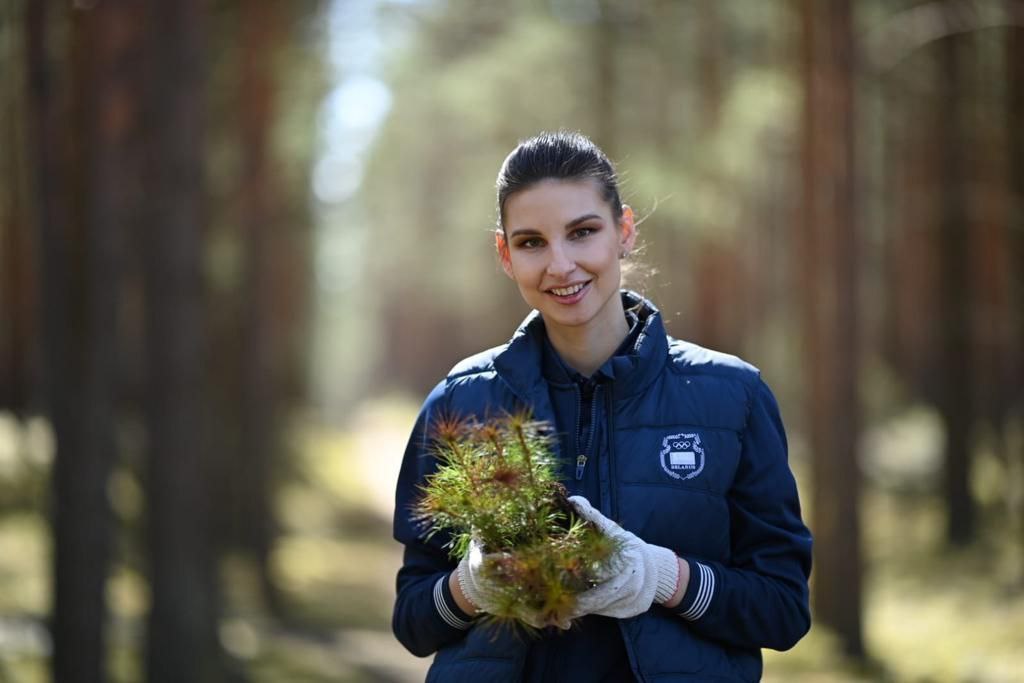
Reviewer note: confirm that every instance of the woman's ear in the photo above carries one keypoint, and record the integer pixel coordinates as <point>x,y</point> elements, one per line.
<point>627,230</point>
<point>501,245</point>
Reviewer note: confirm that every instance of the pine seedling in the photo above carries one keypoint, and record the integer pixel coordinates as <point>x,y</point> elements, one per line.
<point>497,483</point>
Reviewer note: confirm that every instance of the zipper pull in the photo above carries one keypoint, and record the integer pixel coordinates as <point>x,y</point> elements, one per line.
<point>581,462</point>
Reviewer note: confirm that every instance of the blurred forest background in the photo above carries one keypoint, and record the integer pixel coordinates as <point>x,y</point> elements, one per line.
<point>240,239</point>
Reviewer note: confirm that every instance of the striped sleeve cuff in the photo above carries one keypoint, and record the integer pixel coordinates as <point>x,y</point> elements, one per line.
<point>446,607</point>
<point>699,592</point>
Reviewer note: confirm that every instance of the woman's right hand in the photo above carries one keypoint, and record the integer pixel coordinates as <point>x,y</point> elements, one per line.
<point>472,585</point>
<point>467,574</point>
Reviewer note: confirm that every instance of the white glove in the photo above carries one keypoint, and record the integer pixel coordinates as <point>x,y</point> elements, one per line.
<point>640,574</point>
<point>472,583</point>
<point>479,590</point>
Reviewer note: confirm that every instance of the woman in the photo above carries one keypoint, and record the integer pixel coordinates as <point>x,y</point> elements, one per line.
<point>676,450</point>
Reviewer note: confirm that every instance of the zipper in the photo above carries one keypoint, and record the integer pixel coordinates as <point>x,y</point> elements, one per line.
<point>581,459</point>
<point>609,418</point>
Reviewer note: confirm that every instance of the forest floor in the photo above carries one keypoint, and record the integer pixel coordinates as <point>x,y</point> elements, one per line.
<point>931,614</point>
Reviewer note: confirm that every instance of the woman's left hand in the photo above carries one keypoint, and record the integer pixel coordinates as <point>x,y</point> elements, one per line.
<point>641,573</point>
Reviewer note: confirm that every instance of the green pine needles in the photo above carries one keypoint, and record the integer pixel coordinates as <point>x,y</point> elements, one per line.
<point>497,483</point>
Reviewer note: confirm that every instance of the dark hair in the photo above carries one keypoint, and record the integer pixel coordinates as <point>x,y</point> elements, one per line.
<point>563,155</point>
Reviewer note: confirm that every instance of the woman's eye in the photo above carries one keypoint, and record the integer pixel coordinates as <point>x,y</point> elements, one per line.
<point>531,243</point>
<point>580,233</point>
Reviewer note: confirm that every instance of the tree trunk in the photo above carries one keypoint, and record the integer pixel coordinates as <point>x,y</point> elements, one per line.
<point>77,616</point>
<point>82,205</point>
<point>18,287</point>
<point>830,312</point>
<point>912,268</point>
<point>260,335</point>
<point>72,373</point>
<point>1015,170</point>
<point>182,627</point>
<point>955,391</point>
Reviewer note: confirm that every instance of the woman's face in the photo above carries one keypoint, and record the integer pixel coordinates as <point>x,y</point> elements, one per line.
<point>562,247</point>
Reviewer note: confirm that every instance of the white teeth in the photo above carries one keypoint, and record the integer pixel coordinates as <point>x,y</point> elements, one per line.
<point>568,291</point>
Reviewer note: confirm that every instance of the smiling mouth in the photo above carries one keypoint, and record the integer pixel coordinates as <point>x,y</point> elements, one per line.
<point>570,290</point>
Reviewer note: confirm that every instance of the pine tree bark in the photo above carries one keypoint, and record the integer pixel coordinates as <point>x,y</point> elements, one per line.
<point>182,640</point>
<point>955,390</point>
<point>19,357</point>
<point>1015,171</point>
<point>829,266</point>
<point>82,180</point>
<point>77,615</point>
<point>263,328</point>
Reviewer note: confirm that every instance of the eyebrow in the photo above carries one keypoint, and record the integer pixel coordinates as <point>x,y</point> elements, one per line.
<point>568,226</point>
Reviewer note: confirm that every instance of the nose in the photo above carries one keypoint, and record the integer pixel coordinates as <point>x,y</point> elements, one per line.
<point>561,264</point>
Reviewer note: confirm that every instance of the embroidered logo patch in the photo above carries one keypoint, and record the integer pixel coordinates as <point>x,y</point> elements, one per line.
<point>682,455</point>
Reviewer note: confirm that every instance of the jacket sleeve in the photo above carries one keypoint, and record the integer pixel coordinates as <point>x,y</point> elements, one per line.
<point>425,617</point>
<point>760,598</point>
